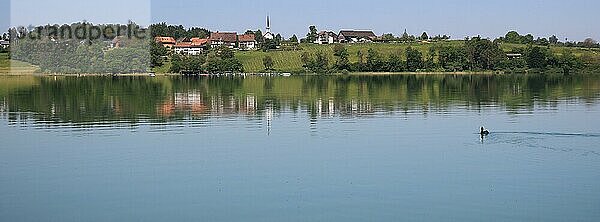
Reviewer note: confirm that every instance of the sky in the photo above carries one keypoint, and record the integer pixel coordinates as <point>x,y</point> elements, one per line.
<point>574,19</point>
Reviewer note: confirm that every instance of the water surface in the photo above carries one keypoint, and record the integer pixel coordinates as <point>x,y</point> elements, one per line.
<point>302,148</point>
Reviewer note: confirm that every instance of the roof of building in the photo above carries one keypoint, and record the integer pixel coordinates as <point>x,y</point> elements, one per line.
<point>199,41</point>
<point>328,33</point>
<point>358,34</point>
<point>191,44</point>
<point>183,45</point>
<point>224,36</point>
<point>165,40</point>
<point>246,38</point>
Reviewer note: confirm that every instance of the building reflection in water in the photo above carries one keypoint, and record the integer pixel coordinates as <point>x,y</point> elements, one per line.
<point>89,100</point>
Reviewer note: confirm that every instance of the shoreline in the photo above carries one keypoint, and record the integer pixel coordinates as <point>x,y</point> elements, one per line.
<point>9,73</point>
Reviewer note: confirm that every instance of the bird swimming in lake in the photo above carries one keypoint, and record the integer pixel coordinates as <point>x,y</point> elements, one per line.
<point>484,132</point>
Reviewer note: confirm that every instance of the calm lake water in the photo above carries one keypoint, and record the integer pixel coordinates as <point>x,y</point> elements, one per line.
<point>370,148</point>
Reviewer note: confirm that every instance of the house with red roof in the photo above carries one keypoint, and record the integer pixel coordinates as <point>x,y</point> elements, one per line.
<point>193,46</point>
<point>247,42</point>
<point>167,42</point>
<point>228,39</point>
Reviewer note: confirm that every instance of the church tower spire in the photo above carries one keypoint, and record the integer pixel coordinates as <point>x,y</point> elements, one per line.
<point>268,24</point>
<point>268,34</point>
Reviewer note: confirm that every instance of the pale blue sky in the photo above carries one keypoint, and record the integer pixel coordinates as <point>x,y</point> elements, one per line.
<point>575,19</point>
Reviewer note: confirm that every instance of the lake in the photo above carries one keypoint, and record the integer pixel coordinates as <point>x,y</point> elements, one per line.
<point>300,148</point>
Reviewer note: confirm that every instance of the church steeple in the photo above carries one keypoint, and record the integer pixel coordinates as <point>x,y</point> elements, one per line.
<point>268,34</point>
<point>268,24</point>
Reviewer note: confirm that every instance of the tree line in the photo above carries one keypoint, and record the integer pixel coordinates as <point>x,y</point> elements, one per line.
<point>476,54</point>
<point>217,60</point>
<point>516,38</point>
<point>83,48</point>
<point>73,56</point>
<point>178,31</point>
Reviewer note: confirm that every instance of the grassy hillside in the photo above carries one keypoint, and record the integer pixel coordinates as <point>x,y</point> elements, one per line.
<point>4,61</point>
<point>8,66</point>
<point>289,61</point>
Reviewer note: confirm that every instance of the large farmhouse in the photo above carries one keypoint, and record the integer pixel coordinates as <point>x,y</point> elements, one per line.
<point>352,36</point>
<point>167,42</point>
<point>228,39</point>
<point>193,46</point>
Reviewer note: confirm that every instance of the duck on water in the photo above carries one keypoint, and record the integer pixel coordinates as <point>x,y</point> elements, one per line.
<point>484,132</point>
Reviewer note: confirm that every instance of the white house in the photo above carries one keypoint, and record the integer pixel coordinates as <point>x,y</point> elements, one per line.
<point>4,44</point>
<point>228,39</point>
<point>193,47</point>
<point>326,37</point>
<point>247,42</point>
<point>188,50</point>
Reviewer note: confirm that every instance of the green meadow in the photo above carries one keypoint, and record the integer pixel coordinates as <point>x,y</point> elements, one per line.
<point>8,66</point>
<point>289,61</point>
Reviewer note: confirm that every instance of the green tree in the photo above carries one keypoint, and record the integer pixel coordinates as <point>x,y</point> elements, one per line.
<point>294,39</point>
<point>258,36</point>
<point>343,61</point>
<point>374,61</point>
<point>311,36</point>
<point>319,63</point>
<point>483,54</point>
<point>338,49</point>
<point>213,63</point>
<point>553,40</point>
<point>388,37</point>
<point>527,39</point>
<point>452,58</point>
<point>424,36</point>
<point>305,58</point>
<point>414,59</point>
<point>187,63</point>
<point>542,41</point>
<point>360,64</point>
<point>225,52</point>
<point>536,57</point>
<point>322,62</point>
<point>176,63</point>
<point>394,63</point>
<point>569,62</point>
<point>268,62</point>
<point>195,32</point>
<point>157,52</point>
<point>512,37</point>
<point>430,60</point>
<point>589,43</point>
<point>269,44</point>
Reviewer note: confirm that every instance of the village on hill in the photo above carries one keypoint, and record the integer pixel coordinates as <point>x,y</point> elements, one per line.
<point>252,40</point>
<point>194,50</point>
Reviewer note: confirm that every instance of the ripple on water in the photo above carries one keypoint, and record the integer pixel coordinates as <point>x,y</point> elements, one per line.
<point>550,141</point>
